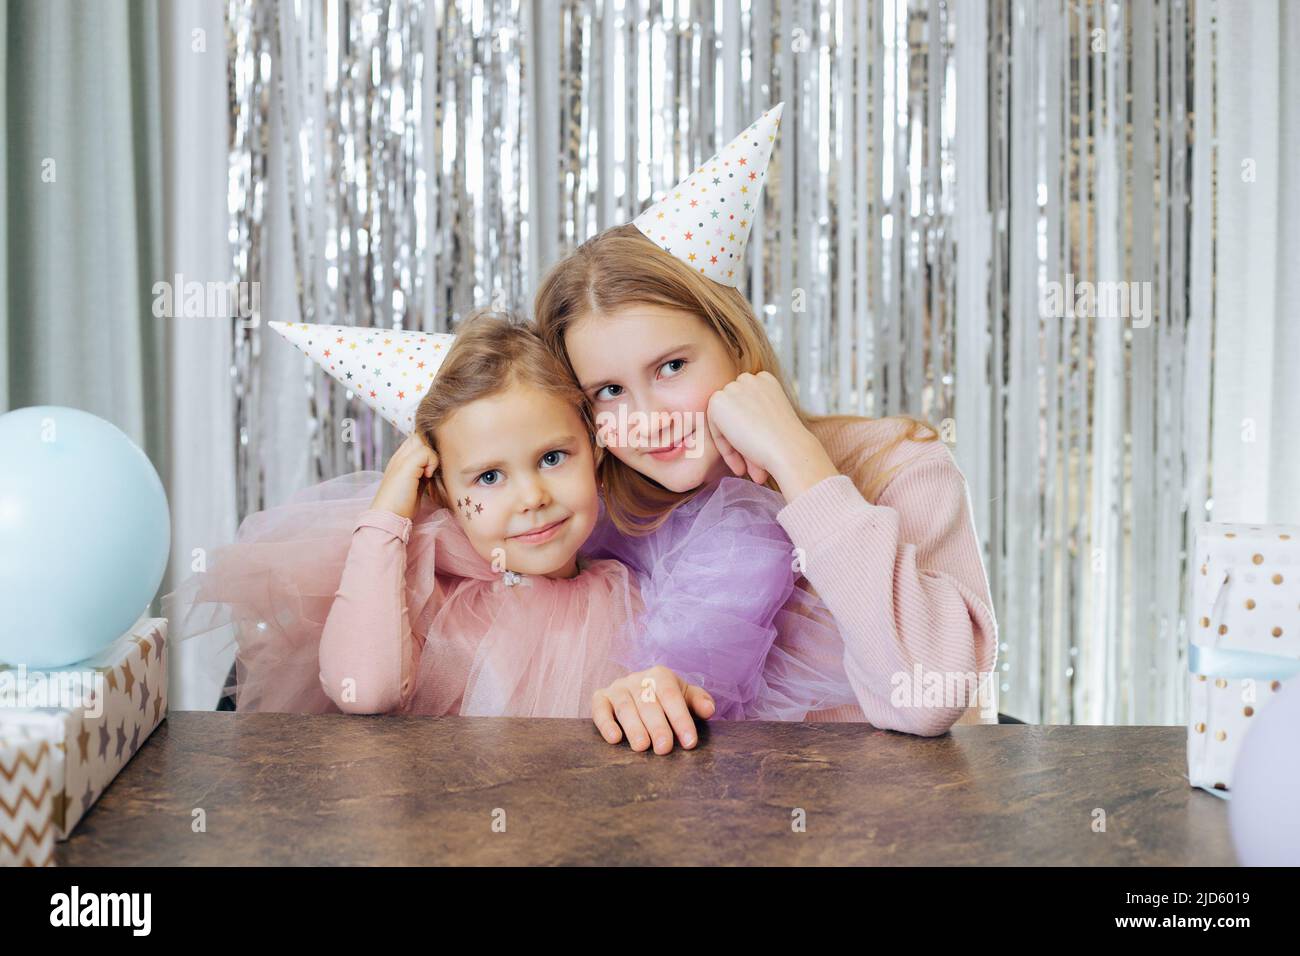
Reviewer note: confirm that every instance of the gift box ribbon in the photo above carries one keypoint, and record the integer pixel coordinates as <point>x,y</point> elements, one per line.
<point>1256,665</point>
<point>1221,662</point>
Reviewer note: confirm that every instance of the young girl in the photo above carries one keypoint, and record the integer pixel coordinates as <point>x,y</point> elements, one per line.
<point>454,584</point>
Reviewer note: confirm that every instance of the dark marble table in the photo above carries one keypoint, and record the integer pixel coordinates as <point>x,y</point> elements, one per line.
<point>299,790</point>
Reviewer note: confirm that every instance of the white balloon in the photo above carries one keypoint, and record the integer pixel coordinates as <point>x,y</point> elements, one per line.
<point>1264,811</point>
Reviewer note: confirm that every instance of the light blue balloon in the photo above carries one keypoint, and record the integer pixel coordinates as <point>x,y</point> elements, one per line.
<point>84,535</point>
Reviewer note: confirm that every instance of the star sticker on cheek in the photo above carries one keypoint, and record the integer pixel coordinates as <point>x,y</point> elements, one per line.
<point>478,509</point>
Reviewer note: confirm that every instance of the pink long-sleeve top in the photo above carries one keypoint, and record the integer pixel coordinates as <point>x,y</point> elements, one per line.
<point>367,636</point>
<point>903,578</point>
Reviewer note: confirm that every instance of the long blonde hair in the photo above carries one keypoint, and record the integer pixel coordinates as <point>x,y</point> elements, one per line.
<point>621,266</point>
<point>492,352</point>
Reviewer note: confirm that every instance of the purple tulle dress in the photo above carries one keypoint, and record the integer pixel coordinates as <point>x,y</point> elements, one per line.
<point>719,583</point>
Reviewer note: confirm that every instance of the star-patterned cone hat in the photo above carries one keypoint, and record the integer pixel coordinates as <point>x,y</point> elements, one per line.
<point>388,369</point>
<point>705,220</point>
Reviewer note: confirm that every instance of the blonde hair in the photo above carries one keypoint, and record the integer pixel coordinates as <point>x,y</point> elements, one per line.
<point>621,266</point>
<point>493,351</point>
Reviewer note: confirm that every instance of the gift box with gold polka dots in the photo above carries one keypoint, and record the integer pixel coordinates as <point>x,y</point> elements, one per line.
<point>1244,638</point>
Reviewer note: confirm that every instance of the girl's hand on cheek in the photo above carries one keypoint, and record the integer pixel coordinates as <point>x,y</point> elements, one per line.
<point>650,706</point>
<point>758,432</point>
<point>399,491</point>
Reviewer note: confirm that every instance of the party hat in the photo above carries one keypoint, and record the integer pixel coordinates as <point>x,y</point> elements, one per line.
<point>705,219</point>
<point>388,369</point>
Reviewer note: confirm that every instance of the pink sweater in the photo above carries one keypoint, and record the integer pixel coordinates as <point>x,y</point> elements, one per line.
<point>903,578</point>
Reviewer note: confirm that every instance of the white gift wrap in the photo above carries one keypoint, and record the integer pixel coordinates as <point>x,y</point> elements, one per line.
<point>1245,638</point>
<point>88,750</point>
<point>27,824</point>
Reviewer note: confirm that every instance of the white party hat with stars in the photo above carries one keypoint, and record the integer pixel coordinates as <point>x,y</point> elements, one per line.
<point>388,369</point>
<point>705,220</point>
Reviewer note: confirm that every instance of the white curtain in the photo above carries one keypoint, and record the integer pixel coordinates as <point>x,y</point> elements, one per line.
<point>82,212</point>
<point>196,246</point>
<point>1255,295</point>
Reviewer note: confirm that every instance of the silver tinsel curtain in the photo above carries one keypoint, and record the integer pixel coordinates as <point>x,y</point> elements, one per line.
<point>938,163</point>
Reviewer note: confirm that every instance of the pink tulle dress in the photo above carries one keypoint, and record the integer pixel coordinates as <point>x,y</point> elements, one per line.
<point>492,644</point>
<point>705,595</point>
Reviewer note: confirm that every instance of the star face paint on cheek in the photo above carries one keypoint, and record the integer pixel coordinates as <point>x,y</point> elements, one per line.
<point>467,508</point>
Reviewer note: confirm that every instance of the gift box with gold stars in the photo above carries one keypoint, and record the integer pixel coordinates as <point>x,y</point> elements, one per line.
<point>1244,639</point>
<point>94,715</point>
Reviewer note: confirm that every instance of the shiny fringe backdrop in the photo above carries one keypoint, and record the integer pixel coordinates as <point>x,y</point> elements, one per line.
<point>939,163</point>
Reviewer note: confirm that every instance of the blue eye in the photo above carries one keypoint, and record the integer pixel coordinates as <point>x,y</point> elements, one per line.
<point>677,362</point>
<point>602,388</point>
<point>551,455</point>
<point>487,484</point>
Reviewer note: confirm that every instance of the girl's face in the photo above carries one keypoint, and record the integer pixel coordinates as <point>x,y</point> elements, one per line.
<point>649,371</point>
<point>518,471</point>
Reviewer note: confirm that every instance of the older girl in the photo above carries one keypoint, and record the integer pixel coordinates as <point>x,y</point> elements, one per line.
<point>877,510</point>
